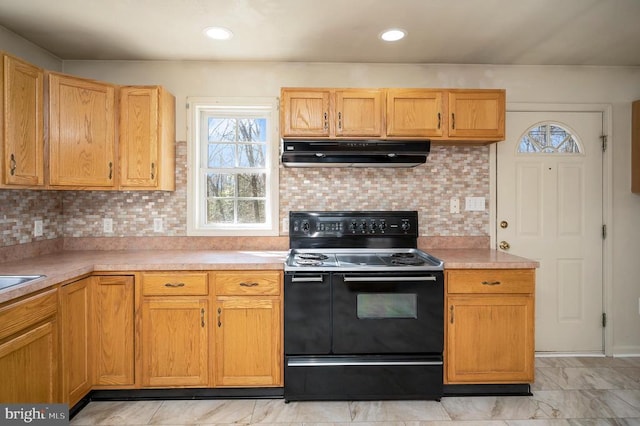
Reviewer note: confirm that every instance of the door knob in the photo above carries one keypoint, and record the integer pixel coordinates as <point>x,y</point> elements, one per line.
<point>504,224</point>
<point>504,245</point>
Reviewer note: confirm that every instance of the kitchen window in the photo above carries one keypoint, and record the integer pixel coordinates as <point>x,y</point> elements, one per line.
<point>232,185</point>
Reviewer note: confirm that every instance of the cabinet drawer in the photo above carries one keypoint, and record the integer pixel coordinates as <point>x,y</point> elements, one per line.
<point>242,283</point>
<point>20,315</point>
<point>491,281</point>
<point>175,284</point>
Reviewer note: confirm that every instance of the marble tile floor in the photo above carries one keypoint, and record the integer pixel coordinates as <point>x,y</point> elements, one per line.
<point>590,391</point>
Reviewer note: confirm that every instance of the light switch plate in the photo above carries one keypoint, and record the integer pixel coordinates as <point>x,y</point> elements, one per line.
<point>37,228</point>
<point>474,204</point>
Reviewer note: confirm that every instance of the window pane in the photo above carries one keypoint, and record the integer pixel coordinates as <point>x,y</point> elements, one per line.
<point>387,305</point>
<point>222,129</point>
<point>251,211</point>
<point>252,130</point>
<point>251,155</point>
<point>219,211</point>
<point>549,139</point>
<point>252,185</point>
<point>221,155</point>
<point>220,185</point>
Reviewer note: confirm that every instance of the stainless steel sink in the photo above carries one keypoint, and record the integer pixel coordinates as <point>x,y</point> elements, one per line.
<point>11,280</point>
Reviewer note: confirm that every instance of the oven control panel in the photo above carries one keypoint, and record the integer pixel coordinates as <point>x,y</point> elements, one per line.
<point>366,224</point>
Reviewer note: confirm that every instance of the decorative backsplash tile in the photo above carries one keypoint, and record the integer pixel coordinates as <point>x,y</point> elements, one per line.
<point>451,171</point>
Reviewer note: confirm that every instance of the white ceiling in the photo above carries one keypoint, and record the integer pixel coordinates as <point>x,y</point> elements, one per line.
<point>543,32</point>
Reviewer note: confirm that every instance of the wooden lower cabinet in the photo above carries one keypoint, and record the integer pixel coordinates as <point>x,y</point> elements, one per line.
<point>248,348</point>
<point>113,331</point>
<point>489,326</point>
<point>175,342</point>
<point>75,315</point>
<point>248,329</point>
<point>29,350</point>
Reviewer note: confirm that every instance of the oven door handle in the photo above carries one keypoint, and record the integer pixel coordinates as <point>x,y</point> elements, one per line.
<point>317,279</point>
<point>348,279</point>
<point>354,363</point>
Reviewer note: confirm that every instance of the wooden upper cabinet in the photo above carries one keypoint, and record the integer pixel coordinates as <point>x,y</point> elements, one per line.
<point>81,133</point>
<point>305,113</point>
<point>21,123</point>
<point>477,114</point>
<point>147,138</point>
<point>359,112</point>
<point>415,113</point>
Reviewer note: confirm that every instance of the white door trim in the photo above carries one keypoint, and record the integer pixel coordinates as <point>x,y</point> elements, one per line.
<point>607,197</point>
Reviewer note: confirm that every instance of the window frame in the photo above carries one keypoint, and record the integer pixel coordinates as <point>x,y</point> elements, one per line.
<point>197,108</point>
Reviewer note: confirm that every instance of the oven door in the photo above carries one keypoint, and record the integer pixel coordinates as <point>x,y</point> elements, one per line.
<point>383,313</point>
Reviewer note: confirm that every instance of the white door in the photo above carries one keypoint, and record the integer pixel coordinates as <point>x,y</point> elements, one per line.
<point>549,208</point>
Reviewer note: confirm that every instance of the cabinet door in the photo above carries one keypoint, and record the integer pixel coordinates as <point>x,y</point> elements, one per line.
<point>76,340</point>
<point>414,113</point>
<point>113,332</point>
<point>478,114</point>
<point>248,342</point>
<point>175,342</point>
<point>81,132</point>
<point>359,113</point>
<point>305,113</point>
<point>490,339</point>
<point>28,363</point>
<point>147,138</point>
<point>21,123</point>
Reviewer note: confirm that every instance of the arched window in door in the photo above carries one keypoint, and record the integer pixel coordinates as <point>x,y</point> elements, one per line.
<point>549,138</point>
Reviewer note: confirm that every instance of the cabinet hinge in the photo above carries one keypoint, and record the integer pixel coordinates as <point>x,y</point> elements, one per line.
<point>604,232</point>
<point>604,142</point>
<point>604,320</point>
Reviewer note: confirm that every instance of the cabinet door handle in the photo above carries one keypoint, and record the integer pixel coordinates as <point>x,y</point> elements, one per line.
<point>451,313</point>
<point>326,121</point>
<point>13,164</point>
<point>439,117</point>
<point>174,285</point>
<point>110,170</point>
<point>249,284</point>
<point>219,317</point>
<point>453,120</point>
<point>490,282</point>
<point>339,121</point>
<point>153,171</point>
<point>202,317</point>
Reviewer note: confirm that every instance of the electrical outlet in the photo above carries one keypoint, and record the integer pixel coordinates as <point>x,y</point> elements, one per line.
<point>157,224</point>
<point>454,205</point>
<point>37,228</point>
<point>107,225</point>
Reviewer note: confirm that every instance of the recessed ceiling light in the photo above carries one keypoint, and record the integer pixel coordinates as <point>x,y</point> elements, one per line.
<point>218,33</point>
<point>394,34</point>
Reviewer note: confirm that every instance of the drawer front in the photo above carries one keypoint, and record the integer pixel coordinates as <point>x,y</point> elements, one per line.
<point>175,284</point>
<point>20,315</point>
<point>244,283</point>
<point>491,281</point>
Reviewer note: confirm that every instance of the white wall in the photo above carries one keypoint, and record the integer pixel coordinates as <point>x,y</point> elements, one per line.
<point>16,45</point>
<point>537,84</point>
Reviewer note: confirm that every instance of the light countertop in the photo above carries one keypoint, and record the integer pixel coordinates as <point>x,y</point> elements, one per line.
<point>68,265</point>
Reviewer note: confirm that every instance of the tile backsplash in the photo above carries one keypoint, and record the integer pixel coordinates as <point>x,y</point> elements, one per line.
<point>450,171</point>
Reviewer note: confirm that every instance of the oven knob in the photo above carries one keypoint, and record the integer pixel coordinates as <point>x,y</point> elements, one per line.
<point>383,226</point>
<point>363,226</point>
<point>353,226</point>
<point>305,227</point>
<point>374,226</point>
<point>405,226</point>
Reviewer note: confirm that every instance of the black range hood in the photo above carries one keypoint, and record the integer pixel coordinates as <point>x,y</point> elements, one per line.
<point>360,153</point>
